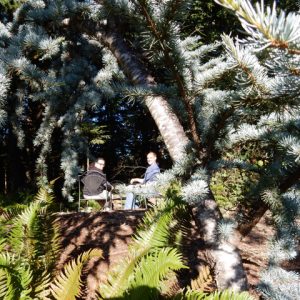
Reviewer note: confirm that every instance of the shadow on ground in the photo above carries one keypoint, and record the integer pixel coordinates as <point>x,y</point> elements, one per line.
<point>109,231</point>
<point>112,232</point>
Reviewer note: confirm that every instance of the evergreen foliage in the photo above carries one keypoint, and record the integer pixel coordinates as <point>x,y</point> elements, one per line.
<point>267,83</point>
<point>50,66</point>
<point>62,84</point>
<point>52,60</point>
<point>249,94</point>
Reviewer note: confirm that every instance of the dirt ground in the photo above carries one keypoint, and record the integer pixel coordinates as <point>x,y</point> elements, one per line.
<point>111,231</point>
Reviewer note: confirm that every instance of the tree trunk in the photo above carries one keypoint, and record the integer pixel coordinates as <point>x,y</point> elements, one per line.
<point>167,122</point>
<point>229,271</point>
<point>229,268</point>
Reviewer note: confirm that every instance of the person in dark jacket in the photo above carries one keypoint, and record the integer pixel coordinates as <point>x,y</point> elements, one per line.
<point>152,171</point>
<point>95,184</point>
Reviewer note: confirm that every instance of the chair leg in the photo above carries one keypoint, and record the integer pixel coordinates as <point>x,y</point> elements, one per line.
<point>110,200</point>
<point>133,203</point>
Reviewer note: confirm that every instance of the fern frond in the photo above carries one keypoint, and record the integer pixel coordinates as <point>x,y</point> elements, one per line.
<point>157,235</point>
<point>6,259</point>
<point>67,284</point>
<point>158,226</point>
<point>52,249</point>
<point>2,244</point>
<point>47,244</point>
<point>4,283</point>
<point>117,279</point>
<point>41,287</point>
<point>153,268</point>
<point>168,206</point>
<point>204,279</point>
<point>11,212</point>
<point>44,196</point>
<point>16,277</point>
<point>33,238</point>
<point>26,280</point>
<point>20,237</point>
<point>222,295</point>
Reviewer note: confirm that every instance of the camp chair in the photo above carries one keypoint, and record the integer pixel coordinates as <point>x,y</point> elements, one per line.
<point>107,196</point>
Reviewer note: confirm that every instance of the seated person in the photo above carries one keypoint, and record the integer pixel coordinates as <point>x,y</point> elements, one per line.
<point>95,184</point>
<point>149,176</point>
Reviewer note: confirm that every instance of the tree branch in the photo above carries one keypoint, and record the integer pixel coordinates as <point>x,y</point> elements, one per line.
<point>257,212</point>
<point>177,77</point>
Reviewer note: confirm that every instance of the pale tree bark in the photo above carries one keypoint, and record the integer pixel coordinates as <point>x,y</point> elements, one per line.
<point>229,271</point>
<point>167,122</point>
<point>228,264</point>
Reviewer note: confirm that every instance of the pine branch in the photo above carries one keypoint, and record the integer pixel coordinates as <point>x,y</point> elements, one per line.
<point>139,75</point>
<point>257,213</point>
<point>215,132</point>
<point>256,75</point>
<point>279,31</point>
<point>163,41</point>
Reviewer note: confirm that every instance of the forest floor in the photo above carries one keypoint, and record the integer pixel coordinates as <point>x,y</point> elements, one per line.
<point>111,231</point>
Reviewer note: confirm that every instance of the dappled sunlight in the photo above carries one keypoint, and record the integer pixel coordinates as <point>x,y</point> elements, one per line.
<point>109,231</point>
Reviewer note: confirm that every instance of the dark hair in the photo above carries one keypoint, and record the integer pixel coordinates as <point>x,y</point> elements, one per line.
<point>92,165</point>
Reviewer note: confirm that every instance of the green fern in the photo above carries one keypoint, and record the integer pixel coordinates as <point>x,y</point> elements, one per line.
<point>222,295</point>
<point>67,285</point>
<point>21,237</point>
<point>2,244</point>
<point>33,237</point>
<point>152,270</point>
<point>50,246</point>
<point>3,283</point>
<point>156,236</point>
<point>44,196</point>
<point>153,235</point>
<point>12,211</point>
<point>41,288</point>
<point>15,278</point>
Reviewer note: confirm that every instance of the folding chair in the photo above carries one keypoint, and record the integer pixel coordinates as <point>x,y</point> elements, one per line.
<point>107,198</point>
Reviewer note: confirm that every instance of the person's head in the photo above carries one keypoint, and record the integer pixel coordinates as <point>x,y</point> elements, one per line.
<point>151,158</point>
<point>99,163</point>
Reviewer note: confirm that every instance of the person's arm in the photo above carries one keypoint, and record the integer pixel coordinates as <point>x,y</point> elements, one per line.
<point>136,180</point>
<point>109,186</point>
